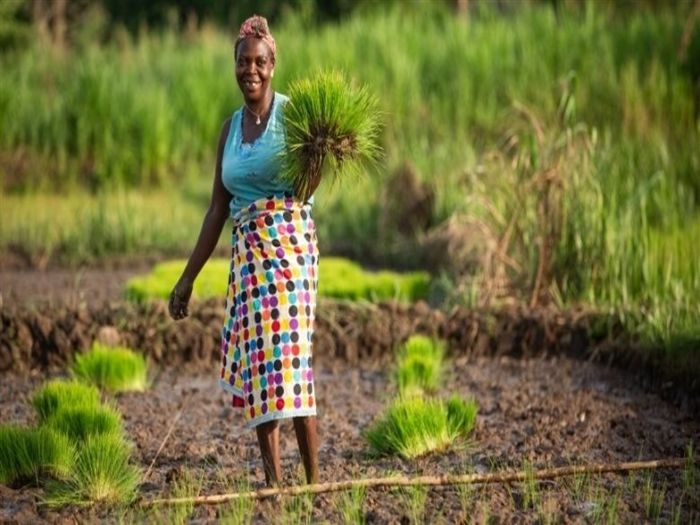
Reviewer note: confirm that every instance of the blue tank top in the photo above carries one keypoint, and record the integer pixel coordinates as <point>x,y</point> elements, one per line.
<point>250,171</point>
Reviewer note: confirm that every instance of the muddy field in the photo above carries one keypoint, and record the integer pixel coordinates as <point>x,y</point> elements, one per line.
<point>549,407</point>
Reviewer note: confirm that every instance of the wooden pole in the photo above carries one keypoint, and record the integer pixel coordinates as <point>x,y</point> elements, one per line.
<point>491,477</point>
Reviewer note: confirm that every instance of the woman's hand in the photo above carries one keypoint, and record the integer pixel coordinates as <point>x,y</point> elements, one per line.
<point>179,297</point>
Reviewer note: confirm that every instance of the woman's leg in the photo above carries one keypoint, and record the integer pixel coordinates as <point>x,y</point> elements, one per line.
<point>307,438</point>
<point>269,441</point>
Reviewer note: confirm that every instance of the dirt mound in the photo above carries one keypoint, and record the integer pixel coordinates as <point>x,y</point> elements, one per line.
<point>48,335</point>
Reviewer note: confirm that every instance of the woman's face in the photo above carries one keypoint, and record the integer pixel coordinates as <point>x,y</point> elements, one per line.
<point>254,65</point>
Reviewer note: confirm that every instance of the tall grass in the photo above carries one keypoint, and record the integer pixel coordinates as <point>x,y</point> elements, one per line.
<point>479,107</point>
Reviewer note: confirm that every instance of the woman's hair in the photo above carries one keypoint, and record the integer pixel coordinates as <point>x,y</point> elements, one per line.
<point>255,26</point>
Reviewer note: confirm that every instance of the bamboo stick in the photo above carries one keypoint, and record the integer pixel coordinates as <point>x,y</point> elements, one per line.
<point>491,477</point>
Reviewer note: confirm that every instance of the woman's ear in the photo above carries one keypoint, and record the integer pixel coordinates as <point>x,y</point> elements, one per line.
<point>272,73</point>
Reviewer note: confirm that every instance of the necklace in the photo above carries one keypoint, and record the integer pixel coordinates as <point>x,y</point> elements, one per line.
<point>257,116</point>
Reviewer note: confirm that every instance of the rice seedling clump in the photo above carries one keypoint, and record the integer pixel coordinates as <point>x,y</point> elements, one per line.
<point>420,365</point>
<point>27,453</point>
<point>116,368</point>
<point>414,426</point>
<point>332,128</point>
<point>102,474</point>
<point>59,393</point>
<point>461,415</point>
<point>340,279</point>
<point>79,422</point>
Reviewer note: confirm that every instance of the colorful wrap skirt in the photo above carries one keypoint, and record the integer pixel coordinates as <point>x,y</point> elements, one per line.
<point>270,311</point>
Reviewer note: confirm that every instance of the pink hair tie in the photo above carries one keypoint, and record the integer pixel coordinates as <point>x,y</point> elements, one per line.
<point>256,26</point>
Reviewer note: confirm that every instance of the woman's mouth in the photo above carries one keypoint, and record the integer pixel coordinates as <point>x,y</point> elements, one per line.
<point>251,84</point>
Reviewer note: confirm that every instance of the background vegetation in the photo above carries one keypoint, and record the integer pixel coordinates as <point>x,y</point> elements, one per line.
<point>560,139</point>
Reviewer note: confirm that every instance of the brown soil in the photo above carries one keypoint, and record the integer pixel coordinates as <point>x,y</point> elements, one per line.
<point>546,393</point>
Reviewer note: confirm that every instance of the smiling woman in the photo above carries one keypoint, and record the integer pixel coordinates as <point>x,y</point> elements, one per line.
<point>271,301</point>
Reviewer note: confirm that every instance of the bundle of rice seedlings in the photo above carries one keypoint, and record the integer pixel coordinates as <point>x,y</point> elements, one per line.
<point>79,422</point>
<point>102,474</point>
<point>27,453</point>
<point>332,129</point>
<point>414,425</point>
<point>461,415</point>
<point>115,368</point>
<point>59,393</point>
<point>420,365</point>
<point>411,427</point>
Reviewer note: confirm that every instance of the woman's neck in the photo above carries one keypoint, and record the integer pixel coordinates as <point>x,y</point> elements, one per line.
<point>261,106</point>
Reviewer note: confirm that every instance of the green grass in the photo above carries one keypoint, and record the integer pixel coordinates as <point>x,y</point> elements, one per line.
<point>420,365</point>
<point>80,422</point>
<point>338,278</point>
<point>102,474</point>
<point>332,129</point>
<point>115,368</point>
<point>29,453</point>
<point>61,394</point>
<point>413,426</point>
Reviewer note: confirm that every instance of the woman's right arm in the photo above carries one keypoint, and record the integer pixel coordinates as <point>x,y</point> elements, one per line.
<point>213,223</point>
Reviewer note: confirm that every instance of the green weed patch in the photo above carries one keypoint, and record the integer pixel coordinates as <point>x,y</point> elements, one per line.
<point>116,368</point>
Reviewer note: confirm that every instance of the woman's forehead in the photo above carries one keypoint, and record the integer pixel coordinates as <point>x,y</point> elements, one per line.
<point>254,47</point>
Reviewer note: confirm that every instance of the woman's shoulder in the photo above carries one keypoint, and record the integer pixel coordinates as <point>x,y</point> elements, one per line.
<point>281,98</point>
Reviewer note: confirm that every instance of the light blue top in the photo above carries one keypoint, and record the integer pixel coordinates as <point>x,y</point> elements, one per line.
<point>250,171</point>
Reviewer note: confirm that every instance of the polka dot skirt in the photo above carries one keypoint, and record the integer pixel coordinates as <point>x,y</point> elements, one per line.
<point>270,309</point>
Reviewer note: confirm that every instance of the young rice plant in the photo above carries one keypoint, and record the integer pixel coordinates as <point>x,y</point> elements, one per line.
<point>116,368</point>
<point>27,453</point>
<point>414,426</point>
<point>332,129</point>
<point>59,393</point>
<point>420,365</point>
<point>79,422</point>
<point>102,474</point>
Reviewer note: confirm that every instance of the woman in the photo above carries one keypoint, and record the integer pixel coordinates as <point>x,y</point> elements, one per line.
<point>266,338</point>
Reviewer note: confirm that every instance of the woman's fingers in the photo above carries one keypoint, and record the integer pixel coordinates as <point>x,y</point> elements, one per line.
<point>177,307</point>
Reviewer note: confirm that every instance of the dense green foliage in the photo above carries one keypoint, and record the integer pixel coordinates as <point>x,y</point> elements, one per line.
<point>113,368</point>
<point>338,278</point>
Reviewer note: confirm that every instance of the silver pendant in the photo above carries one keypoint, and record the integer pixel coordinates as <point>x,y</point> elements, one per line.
<point>257,122</point>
